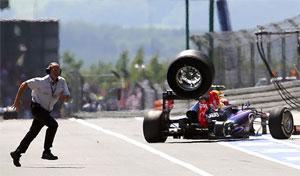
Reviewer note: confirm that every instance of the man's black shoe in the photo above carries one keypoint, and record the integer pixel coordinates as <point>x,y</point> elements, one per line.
<point>16,158</point>
<point>49,156</point>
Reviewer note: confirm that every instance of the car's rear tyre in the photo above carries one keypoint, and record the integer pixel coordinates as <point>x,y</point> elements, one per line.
<point>154,126</point>
<point>191,74</point>
<point>281,123</point>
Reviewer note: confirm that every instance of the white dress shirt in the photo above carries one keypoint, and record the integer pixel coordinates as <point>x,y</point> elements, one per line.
<point>46,92</point>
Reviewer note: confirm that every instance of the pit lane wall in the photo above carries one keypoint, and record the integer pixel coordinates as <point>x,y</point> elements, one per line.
<point>262,97</point>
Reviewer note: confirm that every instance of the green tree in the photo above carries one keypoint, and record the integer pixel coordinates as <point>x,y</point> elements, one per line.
<point>122,62</point>
<point>137,68</point>
<point>154,70</point>
<point>101,74</point>
<point>71,66</point>
<point>121,67</point>
<point>70,62</point>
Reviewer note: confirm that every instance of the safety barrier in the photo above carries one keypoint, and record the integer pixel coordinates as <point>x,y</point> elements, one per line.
<point>262,98</point>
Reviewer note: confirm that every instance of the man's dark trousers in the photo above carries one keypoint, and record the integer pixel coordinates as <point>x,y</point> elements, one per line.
<point>41,117</point>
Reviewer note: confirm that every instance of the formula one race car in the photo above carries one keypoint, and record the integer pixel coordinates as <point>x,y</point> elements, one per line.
<point>190,76</point>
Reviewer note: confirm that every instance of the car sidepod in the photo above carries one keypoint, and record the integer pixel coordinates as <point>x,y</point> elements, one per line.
<point>238,125</point>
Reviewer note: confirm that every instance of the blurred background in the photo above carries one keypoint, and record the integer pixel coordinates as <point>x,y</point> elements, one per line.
<point>115,53</point>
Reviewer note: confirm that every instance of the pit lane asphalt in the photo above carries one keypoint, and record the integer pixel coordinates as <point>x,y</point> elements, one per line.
<point>115,146</point>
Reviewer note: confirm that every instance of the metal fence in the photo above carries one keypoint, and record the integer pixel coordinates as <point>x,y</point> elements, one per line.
<point>91,97</point>
<point>236,61</point>
<point>236,57</point>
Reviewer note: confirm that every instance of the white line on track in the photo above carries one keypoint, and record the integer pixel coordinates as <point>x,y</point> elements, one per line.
<point>139,118</point>
<point>283,141</point>
<point>280,150</point>
<point>260,155</point>
<point>145,147</point>
<point>293,158</point>
<point>261,144</point>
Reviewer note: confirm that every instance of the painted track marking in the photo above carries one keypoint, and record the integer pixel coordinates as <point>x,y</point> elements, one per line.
<point>145,147</point>
<point>277,151</point>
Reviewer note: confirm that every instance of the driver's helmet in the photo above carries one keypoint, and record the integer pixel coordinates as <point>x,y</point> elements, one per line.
<point>217,100</point>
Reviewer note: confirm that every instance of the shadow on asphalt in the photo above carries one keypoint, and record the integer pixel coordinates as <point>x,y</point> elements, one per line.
<point>55,167</point>
<point>184,141</point>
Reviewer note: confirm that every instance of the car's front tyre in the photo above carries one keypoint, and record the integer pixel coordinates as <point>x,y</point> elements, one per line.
<point>281,123</point>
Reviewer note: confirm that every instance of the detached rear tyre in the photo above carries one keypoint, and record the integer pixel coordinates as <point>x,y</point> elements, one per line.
<point>281,123</point>
<point>191,74</point>
<point>154,126</point>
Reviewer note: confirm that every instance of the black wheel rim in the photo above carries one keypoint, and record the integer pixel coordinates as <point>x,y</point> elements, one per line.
<point>287,122</point>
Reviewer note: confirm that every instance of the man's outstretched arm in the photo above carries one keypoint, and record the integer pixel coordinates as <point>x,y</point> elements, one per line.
<point>64,98</point>
<point>20,93</point>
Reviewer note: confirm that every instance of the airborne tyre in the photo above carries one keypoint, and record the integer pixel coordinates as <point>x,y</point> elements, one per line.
<point>281,123</point>
<point>153,126</point>
<point>191,74</point>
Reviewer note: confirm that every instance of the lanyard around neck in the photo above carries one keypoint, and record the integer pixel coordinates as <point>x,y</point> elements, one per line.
<point>53,87</point>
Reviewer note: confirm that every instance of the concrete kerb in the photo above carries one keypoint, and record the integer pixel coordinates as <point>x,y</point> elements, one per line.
<point>234,95</point>
<point>122,114</point>
<point>110,114</point>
